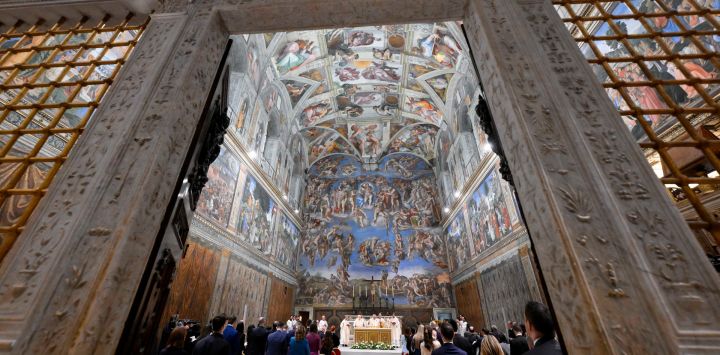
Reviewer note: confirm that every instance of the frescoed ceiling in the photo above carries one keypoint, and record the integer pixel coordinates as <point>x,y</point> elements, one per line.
<point>371,91</point>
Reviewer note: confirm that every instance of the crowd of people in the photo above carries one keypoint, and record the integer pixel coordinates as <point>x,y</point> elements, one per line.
<point>456,337</point>
<point>226,336</point>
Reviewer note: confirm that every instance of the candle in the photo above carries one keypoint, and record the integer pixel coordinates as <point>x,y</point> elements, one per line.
<point>353,291</point>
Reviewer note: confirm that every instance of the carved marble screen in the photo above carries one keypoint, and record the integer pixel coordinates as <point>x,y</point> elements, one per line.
<point>505,292</point>
<point>52,77</point>
<point>363,224</point>
<point>659,63</point>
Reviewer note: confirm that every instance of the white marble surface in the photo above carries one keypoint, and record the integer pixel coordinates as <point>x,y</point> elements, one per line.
<point>346,350</point>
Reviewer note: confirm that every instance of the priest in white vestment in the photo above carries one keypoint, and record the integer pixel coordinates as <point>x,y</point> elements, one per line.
<point>462,325</point>
<point>374,321</point>
<point>322,325</point>
<point>345,331</point>
<point>359,322</point>
<point>395,330</point>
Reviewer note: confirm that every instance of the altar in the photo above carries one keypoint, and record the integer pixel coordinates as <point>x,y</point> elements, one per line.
<point>375,335</point>
<point>355,329</point>
<point>348,351</point>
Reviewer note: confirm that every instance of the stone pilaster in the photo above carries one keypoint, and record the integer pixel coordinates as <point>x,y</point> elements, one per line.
<point>619,261</point>
<point>527,265</point>
<point>68,284</point>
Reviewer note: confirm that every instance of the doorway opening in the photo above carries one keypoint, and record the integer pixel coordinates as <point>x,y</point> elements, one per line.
<point>356,171</point>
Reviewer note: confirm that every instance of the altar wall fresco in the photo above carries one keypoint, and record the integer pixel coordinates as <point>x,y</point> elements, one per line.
<point>380,224</point>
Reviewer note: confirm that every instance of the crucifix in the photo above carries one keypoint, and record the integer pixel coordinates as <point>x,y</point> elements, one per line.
<point>373,290</point>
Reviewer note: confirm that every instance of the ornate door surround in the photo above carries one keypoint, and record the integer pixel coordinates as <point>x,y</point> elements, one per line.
<point>618,259</point>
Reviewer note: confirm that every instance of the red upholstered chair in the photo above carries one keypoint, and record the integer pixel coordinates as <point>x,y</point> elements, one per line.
<point>336,351</point>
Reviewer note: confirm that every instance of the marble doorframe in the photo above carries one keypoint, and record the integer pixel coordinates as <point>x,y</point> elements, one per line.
<point>622,269</point>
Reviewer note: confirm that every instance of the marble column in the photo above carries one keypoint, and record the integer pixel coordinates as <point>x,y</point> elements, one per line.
<point>623,270</point>
<point>68,284</point>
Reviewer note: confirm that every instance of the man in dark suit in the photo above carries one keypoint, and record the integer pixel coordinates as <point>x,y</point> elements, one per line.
<point>231,336</point>
<point>447,333</point>
<point>214,343</point>
<point>541,329</point>
<point>474,338</point>
<point>278,341</point>
<point>459,340</point>
<point>498,335</point>
<point>290,334</point>
<point>257,340</point>
<point>519,343</point>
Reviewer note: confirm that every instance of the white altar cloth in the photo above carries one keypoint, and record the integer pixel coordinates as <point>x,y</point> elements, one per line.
<point>347,351</point>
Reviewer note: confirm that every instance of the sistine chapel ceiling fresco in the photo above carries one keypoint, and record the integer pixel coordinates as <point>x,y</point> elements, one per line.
<point>370,91</point>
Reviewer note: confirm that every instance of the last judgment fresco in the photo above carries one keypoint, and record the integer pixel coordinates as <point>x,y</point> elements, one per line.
<point>380,224</point>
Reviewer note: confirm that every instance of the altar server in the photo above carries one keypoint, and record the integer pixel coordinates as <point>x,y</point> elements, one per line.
<point>345,331</point>
<point>322,325</point>
<point>395,329</point>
